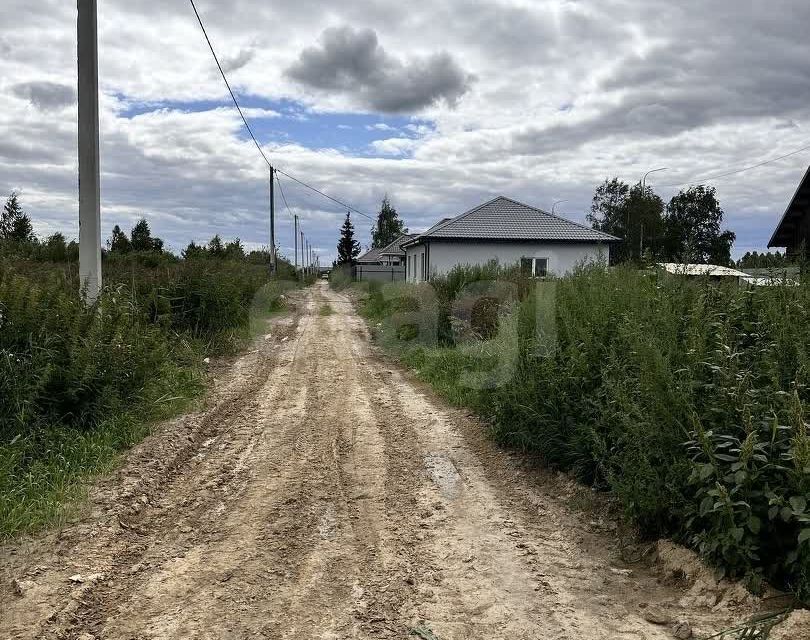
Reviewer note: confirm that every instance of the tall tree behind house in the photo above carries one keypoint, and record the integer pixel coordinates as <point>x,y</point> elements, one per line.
<point>633,213</point>
<point>688,229</point>
<point>388,228</point>
<point>348,248</point>
<point>692,228</point>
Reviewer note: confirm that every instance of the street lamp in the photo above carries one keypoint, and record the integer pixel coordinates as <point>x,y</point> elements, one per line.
<point>555,204</point>
<point>643,193</point>
<point>644,179</point>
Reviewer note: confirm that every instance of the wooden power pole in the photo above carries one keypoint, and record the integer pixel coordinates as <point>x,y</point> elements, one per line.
<point>89,178</point>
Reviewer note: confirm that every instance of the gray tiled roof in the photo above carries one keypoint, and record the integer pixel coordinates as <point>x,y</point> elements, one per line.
<point>505,219</point>
<point>395,248</point>
<point>372,255</point>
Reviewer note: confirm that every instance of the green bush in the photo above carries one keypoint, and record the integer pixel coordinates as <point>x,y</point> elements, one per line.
<point>340,277</point>
<point>686,399</point>
<point>80,383</point>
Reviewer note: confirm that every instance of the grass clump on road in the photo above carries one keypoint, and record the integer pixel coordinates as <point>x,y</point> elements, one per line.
<point>326,310</point>
<point>687,400</point>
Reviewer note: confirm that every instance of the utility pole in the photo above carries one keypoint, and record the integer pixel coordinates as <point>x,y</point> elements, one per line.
<point>644,195</point>
<point>273,264</point>
<point>302,253</point>
<point>89,179</point>
<point>295,242</point>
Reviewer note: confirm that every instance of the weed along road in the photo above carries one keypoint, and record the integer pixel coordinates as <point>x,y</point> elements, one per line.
<point>322,493</point>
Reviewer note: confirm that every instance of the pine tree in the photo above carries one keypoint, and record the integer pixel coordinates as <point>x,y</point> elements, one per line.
<point>348,248</point>
<point>234,250</point>
<point>193,250</point>
<point>55,248</point>
<point>389,227</point>
<point>141,238</point>
<point>14,223</point>
<point>21,229</point>
<point>118,242</point>
<point>216,248</point>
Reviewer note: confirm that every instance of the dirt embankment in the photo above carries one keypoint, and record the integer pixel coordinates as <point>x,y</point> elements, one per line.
<point>323,494</point>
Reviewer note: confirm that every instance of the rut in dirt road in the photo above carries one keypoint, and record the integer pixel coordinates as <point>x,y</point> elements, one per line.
<point>323,495</point>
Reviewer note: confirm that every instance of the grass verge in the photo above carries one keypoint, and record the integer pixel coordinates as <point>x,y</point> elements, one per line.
<point>81,384</point>
<point>687,400</point>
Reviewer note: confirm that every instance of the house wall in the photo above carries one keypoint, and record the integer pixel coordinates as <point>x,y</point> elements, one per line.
<point>414,258</point>
<point>562,258</point>
<point>379,273</point>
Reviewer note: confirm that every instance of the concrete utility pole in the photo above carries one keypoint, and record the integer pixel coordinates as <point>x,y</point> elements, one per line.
<point>295,242</point>
<point>273,264</point>
<point>302,253</point>
<point>89,180</point>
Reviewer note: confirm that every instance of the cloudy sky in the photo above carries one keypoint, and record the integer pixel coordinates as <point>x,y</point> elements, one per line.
<point>441,104</point>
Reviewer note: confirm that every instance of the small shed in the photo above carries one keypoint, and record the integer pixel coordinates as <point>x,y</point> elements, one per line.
<point>719,273</point>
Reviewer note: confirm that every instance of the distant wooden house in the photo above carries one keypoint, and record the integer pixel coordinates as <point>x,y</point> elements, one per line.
<point>793,230</point>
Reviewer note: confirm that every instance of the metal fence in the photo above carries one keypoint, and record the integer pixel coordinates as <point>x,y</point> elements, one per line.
<point>378,272</point>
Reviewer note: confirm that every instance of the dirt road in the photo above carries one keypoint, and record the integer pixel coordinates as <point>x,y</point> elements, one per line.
<point>322,494</point>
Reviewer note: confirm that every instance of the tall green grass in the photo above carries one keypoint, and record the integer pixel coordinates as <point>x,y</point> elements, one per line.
<point>79,384</point>
<point>686,399</point>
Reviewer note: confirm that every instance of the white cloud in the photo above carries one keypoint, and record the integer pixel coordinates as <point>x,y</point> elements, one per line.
<point>380,126</point>
<point>567,93</point>
<point>394,146</point>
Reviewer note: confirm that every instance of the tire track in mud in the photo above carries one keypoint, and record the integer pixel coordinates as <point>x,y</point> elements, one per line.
<point>324,495</point>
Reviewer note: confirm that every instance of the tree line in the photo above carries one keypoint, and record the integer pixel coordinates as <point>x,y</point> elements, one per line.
<point>756,260</point>
<point>686,229</point>
<point>17,234</point>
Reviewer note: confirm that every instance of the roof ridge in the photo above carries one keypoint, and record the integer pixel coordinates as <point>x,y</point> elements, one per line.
<point>556,217</point>
<point>515,212</point>
<point>442,225</point>
<point>395,240</point>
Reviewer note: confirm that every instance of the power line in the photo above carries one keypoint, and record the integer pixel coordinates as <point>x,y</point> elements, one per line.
<point>335,200</point>
<point>228,84</point>
<point>736,171</point>
<point>250,131</point>
<point>283,197</point>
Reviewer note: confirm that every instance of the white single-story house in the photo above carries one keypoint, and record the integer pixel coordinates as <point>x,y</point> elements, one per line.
<point>510,233</point>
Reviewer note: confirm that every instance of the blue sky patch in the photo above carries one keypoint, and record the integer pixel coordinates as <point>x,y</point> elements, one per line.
<point>351,133</point>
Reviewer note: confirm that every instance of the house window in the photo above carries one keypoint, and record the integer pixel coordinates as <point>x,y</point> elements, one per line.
<point>534,267</point>
<point>540,267</point>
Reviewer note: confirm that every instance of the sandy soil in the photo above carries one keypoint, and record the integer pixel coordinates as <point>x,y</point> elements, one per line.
<point>322,493</point>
